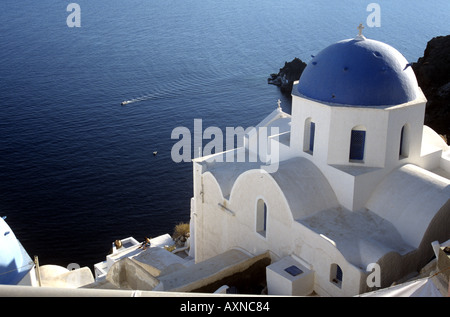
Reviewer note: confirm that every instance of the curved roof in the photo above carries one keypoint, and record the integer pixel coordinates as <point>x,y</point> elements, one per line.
<point>305,187</point>
<point>362,236</point>
<point>359,72</point>
<point>410,197</point>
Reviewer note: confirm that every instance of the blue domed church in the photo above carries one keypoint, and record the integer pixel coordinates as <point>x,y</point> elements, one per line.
<point>353,189</point>
<point>15,263</point>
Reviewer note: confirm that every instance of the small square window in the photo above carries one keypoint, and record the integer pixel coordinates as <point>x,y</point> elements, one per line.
<point>293,270</point>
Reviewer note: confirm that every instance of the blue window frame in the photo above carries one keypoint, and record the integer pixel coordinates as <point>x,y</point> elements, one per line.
<point>261,217</point>
<point>401,140</point>
<point>336,275</point>
<point>403,152</point>
<point>312,130</point>
<point>357,143</point>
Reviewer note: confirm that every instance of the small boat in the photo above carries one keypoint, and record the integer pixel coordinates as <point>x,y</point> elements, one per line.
<point>123,103</point>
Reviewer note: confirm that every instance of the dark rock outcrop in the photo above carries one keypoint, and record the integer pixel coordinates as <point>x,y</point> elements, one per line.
<point>433,75</point>
<point>287,75</point>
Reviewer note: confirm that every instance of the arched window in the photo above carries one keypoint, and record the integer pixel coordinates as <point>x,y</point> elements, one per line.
<point>261,217</point>
<point>336,275</point>
<point>357,144</point>
<point>309,134</point>
<point>404,142</point>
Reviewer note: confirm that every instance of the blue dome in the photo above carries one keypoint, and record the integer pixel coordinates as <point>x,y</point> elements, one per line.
<point>359,72</point>
<point>14,261</point>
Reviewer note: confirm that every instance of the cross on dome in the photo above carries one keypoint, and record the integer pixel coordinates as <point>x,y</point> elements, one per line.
<point>360,28</point>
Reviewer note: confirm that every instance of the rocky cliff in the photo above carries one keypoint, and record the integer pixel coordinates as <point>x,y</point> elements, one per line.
<point>433,74</point>
<point>290,72</point>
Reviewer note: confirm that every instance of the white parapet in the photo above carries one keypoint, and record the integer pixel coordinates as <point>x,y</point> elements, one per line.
<point>130,248</point>
<point>289,277</point>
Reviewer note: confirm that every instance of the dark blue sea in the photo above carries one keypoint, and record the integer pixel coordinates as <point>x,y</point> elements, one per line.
<point>77,169</point>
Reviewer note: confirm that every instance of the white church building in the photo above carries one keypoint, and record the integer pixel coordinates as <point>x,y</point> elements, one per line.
<point>347,194</point>
<point>354,184</point>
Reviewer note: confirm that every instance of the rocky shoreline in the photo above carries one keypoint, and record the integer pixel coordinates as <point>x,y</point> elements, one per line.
<point>290,72</point>
<point>432,72</point>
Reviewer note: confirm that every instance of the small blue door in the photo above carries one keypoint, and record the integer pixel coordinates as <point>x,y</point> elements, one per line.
<point>358,139</point>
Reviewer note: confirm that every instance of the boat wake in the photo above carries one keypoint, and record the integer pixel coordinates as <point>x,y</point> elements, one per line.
<point>126,102</point>
<point>193,84</point>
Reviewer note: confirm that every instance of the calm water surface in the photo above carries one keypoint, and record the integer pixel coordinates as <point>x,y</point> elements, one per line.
<point>77,169</point>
